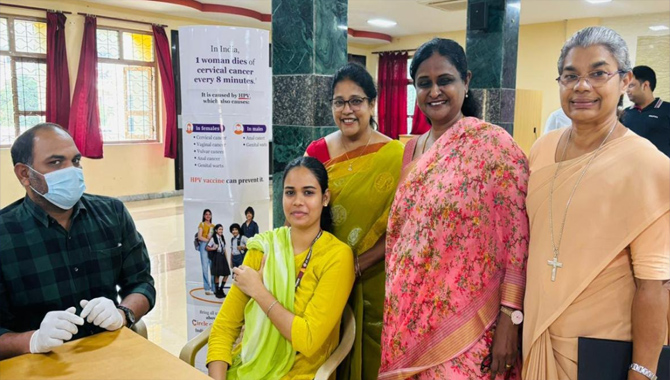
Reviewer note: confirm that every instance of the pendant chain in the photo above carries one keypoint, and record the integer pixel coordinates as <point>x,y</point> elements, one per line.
<point>556,247</point>
<point>346,151</point>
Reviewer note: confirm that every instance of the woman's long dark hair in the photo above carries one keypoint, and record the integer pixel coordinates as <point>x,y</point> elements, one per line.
<point>452,51</point>
<point>319,171</point>
<point>356,73</point>
<point>216,237</point>
<point>205,212</point>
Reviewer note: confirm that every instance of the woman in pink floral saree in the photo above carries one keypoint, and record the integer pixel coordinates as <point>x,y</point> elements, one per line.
<point>457,237</point>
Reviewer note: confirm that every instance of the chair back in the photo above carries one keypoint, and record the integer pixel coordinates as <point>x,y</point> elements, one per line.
<point>140,328</point>
<point>348,330</point>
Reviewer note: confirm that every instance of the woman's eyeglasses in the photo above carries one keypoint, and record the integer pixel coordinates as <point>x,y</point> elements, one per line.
<point>354,103</point>
<point>594,78</point>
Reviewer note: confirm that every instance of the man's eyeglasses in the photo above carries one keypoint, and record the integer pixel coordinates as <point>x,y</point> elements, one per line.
<point>594,78</point>
<point>354,103</point>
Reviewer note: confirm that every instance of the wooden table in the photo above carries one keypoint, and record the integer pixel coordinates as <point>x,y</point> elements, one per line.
<point>121,354</point>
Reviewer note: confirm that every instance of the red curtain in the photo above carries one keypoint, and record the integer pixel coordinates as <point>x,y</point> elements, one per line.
<point>419,122</point>
<point>167,81</point>
<point>392,78</point>
<point>58,76</point>
<point>84,115</point>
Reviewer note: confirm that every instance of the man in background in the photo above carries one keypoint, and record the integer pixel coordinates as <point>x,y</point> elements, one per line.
<point>557,119</point>
<point>649,117</point>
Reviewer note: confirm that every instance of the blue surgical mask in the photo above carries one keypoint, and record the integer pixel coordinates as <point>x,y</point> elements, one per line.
<point>66,186</point>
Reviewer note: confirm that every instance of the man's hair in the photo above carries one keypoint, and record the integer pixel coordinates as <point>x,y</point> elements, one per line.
<point>645,74</point>
<point>250,210</point>
<point>235,226</point>
<point>22,149</point>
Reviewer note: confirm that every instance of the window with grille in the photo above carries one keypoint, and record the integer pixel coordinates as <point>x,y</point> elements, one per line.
<point>23,75</point>
<point>411,98</point>
<point>126,85</point>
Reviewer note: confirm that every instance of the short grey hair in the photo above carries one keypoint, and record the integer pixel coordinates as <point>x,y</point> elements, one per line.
<point>598,35</point>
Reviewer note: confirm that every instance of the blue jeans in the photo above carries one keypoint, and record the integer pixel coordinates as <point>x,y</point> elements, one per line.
<point>207,279</point>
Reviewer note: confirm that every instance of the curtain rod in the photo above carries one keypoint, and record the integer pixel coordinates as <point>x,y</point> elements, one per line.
<point>121,19</point>
<point>394,51</point>
<point>35,8</point>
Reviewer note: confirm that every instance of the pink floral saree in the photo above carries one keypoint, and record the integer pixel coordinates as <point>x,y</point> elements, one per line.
<point>457,244</point>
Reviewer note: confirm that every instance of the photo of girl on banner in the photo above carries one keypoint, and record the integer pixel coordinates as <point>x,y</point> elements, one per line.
<point>216,249</point>
<point>202,237</point>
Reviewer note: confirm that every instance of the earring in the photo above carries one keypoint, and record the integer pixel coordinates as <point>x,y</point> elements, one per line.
<point>466,94</point>
<point>325,205</point>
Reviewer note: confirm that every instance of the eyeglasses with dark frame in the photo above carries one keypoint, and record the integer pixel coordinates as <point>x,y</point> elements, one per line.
<point>355,103</point>
<point>594,78</point>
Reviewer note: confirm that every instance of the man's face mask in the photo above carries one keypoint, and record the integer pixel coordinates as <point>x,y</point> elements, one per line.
<point>66,186</point>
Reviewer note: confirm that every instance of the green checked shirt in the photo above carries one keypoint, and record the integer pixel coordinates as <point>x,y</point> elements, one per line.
<point>43,267</point>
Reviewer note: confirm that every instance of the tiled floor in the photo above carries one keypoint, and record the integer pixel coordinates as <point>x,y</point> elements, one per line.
<point>161,223</point>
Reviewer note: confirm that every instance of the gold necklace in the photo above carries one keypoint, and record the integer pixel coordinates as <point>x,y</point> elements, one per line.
<point>555,264</point>
<point>351,168</point>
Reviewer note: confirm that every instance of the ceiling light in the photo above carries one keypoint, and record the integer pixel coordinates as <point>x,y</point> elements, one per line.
<point>382,23</point>
<point>657,28</point>
<point>598,1</point>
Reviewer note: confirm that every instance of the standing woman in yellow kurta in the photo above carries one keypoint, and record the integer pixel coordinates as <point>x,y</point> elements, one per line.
<point>363,169</point>
<point>290,292</point>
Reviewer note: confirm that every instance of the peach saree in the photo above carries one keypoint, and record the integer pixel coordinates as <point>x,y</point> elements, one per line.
<point>616,230</point>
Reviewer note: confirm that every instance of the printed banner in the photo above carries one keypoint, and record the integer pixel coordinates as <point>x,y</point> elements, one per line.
<point>226,86</point>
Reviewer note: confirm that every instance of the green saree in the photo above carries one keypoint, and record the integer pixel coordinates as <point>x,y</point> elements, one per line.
<point>362,197</point>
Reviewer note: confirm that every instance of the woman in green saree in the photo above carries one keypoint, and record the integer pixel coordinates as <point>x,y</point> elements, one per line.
<point>363,170</point>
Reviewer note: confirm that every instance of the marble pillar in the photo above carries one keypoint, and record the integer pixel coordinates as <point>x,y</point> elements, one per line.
<point>491,47</point>
<point>309,43</point>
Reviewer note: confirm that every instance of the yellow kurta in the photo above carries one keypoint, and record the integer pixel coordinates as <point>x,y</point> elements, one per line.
<point>319,302</point>
<point>615,231</point>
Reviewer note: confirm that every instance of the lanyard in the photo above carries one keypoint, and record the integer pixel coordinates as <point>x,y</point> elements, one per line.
<point>307,259</point>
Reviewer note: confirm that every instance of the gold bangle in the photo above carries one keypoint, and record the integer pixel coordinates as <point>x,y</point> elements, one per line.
<point>270,308</point>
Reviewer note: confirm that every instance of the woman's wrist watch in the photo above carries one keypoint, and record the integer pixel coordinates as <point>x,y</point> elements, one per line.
<point>515,315</point>
<point>643,371</point>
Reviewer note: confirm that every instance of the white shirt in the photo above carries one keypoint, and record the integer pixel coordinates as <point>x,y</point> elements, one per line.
<point>235,241</point>
<point>557,119</point>
<point>220,247</point>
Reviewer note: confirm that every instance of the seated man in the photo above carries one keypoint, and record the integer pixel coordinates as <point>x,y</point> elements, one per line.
<point>63,253</point>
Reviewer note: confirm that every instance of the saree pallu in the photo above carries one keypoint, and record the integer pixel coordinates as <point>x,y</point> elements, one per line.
<point>615,231</point>
<point>361,199</point>
<point>456,250</point>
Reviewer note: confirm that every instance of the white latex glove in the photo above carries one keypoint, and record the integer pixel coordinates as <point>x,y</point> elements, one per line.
<point>102,312</point>
<point>56,327</point>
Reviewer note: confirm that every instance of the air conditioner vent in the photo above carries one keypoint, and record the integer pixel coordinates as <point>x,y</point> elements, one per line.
<point>446,5</point>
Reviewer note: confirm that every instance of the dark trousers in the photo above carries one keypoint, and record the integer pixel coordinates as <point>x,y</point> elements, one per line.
<point>238,260</point>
